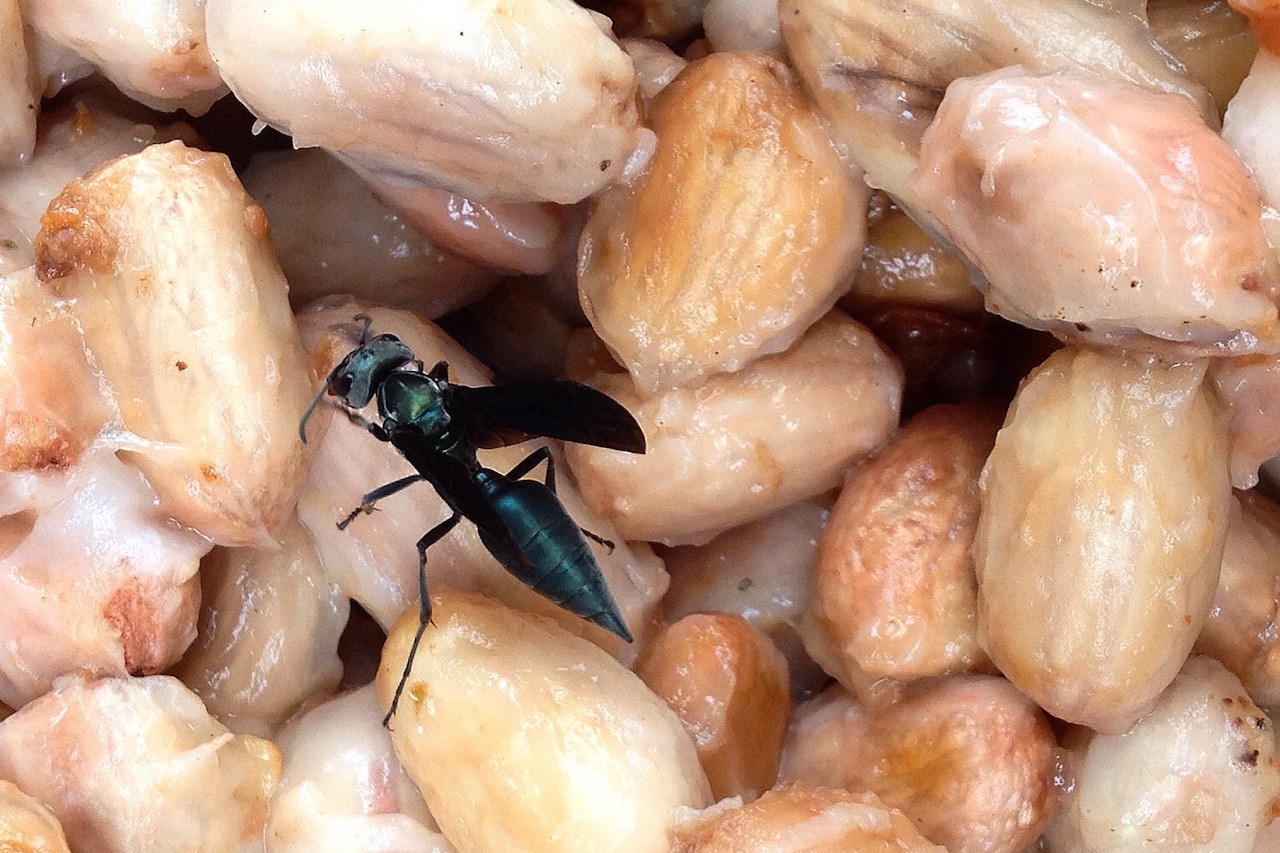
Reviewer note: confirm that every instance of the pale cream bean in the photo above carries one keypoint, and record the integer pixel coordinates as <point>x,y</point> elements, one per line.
<point>1251,125</point>
<point>185,311</point>
<point>761,572</point>
<point>1210,38</point>
<point>342,790</point>
<point>1205,281</point>
<point>333,235</point>
<point>523,737</point>
<point>656,65</point>
<point>1199,773</point>
<point>743,25</point>
<point>1241,631</point>
<point>728,683</point>
<point>801,818</point>
<point>375,560</point>
<point>516,101</point>
<point>894,593</point>
<point>26,826</point>
<point>968,758</point>
<point>138,764</point>
<point>94,577</point>
<point>19,96</point>
<point>155,51</point>
<point>878,71</point>
<point>902,265</point>
<point>1104,510</point>
<point>268,638</point>
<point>71,140</point>
<point>737,237</point>
<point>743,445</point>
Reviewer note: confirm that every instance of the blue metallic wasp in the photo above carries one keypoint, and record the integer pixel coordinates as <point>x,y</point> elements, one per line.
<point>438,426</point>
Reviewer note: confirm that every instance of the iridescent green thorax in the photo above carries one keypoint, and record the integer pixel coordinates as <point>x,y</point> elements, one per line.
<point>408,398</point>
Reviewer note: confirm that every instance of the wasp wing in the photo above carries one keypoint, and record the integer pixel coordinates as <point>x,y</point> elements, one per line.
<point>498,415</point>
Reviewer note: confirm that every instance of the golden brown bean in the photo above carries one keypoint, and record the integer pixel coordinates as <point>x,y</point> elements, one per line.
<point>26,826</point>
<point>728,684</point>
<point>736,238</point>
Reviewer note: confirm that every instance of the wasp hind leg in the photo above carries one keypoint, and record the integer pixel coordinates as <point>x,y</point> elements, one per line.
<point>543,454</point>
<point>432,536</point>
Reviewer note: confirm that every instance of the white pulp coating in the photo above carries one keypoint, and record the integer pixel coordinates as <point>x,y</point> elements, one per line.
<point>509,100</point>
<point>1165,254</point>
<point>155,51</point>
<point>1198,774</point>
<point>342,789</point>
<point>131,764</point>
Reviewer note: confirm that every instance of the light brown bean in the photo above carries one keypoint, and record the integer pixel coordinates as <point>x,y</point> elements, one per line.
<point>737,237</point>
<point>801,818</point>
<point>968,758</point>
<point>1241,631</point>
<point>745,444</point>
<point>902,265</point>
<point>500,702</point>
<point>728,684</point>
<point>1104,509</point>
<point>180,298</point>
<point>894,592</point>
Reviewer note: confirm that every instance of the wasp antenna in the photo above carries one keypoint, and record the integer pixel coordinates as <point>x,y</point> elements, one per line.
<point>315,401</point>
<point>368,324</point>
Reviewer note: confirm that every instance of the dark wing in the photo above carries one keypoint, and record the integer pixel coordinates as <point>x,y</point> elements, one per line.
<point>453,481</point>
<point>499,415</point>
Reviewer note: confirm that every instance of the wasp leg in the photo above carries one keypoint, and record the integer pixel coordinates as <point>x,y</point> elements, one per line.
<point>373,429</point>
<point>432,536</point>
<point>364,333</point>
<point>543,454</point>
<point>368,502</point>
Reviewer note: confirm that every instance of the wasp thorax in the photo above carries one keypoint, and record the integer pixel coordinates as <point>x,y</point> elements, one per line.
<point>364,369</point>
<point>409,398</point>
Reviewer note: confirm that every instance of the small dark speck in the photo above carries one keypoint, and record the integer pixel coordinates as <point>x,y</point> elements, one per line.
<point>6,243</point>
<point>31,106</point>
<point>1135,283</point>
<point>1260,723</point>
<point>461,33</point>
<point>181,365</point>
<point>1228,701</point>
<point>1102,267</point>
<point>605,164</point>
<point>33,321</point>
<point>1082,327</point>
<point>1250,758</point>
<point>744,584</point>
